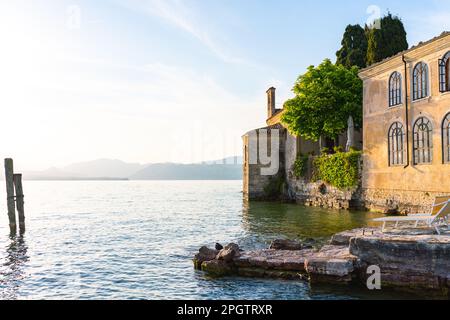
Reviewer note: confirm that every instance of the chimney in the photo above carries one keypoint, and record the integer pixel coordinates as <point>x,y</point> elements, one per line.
<point>271,102</point>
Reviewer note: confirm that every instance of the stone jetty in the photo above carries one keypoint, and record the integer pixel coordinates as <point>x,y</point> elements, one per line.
<point>409,259</point>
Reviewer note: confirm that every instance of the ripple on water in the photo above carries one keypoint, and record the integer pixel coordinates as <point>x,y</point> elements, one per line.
<point>135,240</point>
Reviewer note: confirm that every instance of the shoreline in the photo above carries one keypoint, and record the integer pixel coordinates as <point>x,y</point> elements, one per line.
<point>409,260</point>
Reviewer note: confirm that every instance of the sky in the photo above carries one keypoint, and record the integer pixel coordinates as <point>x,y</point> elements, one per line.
<point>154,81</point>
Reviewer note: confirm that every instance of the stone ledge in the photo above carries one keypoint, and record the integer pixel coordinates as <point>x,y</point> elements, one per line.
<point>343,238</point>
<point>413,261</point>
<point>409,259</point>
<point>331,262</point>
<point>334,262</point>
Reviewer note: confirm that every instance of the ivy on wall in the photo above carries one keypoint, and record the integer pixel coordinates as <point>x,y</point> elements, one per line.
<point>340,170</point>
<point>300,166</point>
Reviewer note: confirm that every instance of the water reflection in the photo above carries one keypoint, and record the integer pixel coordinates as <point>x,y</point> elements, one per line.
<point>12,266</point>
<point>275,220</point>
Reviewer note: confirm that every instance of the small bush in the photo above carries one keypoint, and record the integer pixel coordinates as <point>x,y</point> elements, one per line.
<point>340,170</point>
<point>338,149</point>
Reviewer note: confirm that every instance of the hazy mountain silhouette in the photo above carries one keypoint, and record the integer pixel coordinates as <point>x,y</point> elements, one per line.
<point>172,171</point>
<point>106,169</point>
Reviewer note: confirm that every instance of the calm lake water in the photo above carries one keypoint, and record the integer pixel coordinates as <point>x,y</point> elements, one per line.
<point>135,240</point>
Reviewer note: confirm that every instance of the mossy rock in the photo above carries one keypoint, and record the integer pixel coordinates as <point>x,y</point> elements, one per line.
<point>218,268</point>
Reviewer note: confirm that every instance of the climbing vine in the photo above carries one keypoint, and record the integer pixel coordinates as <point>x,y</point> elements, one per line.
<point>340,170</point>
<point>300,166</point>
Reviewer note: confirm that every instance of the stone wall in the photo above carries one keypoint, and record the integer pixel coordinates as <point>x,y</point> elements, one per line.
<point>320,194</point>
<point>388,201</point>
<point>399,201</point>
<point>256,184</point>
<point>316,194</point>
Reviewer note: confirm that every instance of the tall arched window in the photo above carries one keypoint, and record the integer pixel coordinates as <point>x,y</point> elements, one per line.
<point>423,141</point>
<point>444,73</point>
<point>420,81</point>
<point>446,139</point>
<point>396,144</point>
<point>395,89</point>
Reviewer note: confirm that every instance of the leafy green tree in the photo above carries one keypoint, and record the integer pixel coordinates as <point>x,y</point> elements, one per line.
<point>354,47</point>
<point>387,41</point>
<point>325,97</point>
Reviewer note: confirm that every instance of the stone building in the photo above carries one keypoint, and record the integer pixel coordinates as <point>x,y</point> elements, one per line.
<point>407,128</point>
<point>259,181</point>
<point>405,140</point>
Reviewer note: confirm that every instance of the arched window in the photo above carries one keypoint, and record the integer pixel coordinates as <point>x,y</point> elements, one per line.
<point>423,141</point>
<point>444,73</point>
<point>396,144</point>
<point>420,81</point>
<point>446,139</point>
<point>395,89</point>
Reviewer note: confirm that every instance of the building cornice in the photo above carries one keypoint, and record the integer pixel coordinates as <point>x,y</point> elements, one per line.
<point>414,54</point>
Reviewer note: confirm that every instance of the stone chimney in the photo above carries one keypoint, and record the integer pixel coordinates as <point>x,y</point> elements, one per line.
<point>271,102</point>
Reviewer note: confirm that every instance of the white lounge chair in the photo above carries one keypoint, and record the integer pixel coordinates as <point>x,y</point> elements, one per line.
<point>439,214</point>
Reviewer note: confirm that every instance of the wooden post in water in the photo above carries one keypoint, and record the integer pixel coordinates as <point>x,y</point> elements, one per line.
<point>9,177</point>
<point>19,200</point>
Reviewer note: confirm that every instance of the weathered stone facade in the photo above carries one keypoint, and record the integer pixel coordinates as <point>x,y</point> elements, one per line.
<point>319,194</point>
<point>256,183</point>
<point>399,201</point>
<point>406,184</point>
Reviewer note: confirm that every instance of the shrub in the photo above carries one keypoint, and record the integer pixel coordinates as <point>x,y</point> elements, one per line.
<point>340,170</point>
<point>338,149</point>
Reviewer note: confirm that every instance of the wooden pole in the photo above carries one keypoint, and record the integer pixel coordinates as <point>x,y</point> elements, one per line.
<point>19,200</point>
<point>9,177</point>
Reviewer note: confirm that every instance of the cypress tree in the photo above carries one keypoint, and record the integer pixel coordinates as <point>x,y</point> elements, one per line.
<point>354,47</point>
<point>374,46</point>
<point>387,41</point>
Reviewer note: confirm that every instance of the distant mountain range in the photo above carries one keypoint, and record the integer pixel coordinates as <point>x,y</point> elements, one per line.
<point>107,169</point>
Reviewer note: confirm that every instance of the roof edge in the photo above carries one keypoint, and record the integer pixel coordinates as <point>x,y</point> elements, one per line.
<point>365,71</point>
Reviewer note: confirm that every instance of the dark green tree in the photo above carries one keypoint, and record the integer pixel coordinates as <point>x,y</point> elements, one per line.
<point>386,41</point>
<point>354,47</point>
<point>325,97</point>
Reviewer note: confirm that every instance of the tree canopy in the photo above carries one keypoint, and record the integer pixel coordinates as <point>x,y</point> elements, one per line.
<point>387,41</point>
<point>354,47</point>
<point>362,47</point>
<point>325,97</point>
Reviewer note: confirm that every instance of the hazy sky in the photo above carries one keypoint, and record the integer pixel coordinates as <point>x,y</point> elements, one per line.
<point>162,80</point>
